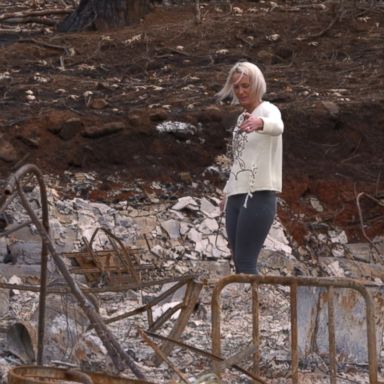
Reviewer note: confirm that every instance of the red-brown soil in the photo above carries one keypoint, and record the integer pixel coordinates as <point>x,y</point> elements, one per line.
<point>324,69</point>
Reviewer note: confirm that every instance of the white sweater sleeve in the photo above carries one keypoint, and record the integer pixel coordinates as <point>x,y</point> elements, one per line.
<point>273,123</point>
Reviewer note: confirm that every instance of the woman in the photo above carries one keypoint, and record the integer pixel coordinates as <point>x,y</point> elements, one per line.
<point>256,174</point>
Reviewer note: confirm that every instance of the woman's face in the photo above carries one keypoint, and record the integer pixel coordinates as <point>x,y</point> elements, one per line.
<point>242,89</point>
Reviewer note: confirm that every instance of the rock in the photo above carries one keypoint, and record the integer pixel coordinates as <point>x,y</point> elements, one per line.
<point>158,115</point>
<point>335,270</point>
<point>331,107</point>
<point>194,236</point>
<point>7,151</point>
<point>208,226</point>
<point>27,247</point>
<point>181,129</point>
<point>135,119</point>
<point>186,177</point>
<point>203,247</point>
<point>172,227</point>
<point>70,128</point>
<point>276,239</point>
<point>97,103</point>
<point>104,130</point>
<point>211,113</point>
<point>362,251</point>
<point>338,237</point>
<point>186,202</point>
<point>30,138</point>
<point>209,209</point>
<point>315,203</point>
<point>338,250</point>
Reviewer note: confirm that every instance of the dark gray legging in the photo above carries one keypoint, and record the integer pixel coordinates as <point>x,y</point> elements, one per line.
<point>247,227</point>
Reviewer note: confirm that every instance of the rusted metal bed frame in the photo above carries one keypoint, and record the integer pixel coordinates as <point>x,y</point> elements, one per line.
<point>293,283</point>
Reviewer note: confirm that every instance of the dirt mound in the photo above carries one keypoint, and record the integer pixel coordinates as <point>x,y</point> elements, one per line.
<point>97,101</point>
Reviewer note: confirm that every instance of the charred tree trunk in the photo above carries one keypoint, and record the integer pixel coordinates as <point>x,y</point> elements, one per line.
<point>104,15</point>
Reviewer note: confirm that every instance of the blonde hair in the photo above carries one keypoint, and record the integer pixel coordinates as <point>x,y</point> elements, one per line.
<point>256,78</point>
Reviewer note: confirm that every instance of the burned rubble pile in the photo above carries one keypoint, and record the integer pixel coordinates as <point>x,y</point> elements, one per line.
<point>174,242</point>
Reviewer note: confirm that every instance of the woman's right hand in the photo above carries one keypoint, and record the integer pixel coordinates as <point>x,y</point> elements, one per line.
<point>251,123</point>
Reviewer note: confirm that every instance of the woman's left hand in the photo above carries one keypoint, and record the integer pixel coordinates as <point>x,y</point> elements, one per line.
<point>251,123</point>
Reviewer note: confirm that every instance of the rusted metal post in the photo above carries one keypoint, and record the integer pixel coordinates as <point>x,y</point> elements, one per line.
<point>191,298</point>
<point>10,189</point>
<point>163,357</point>
<point>371,336</point>
<point>294,334</point>
<point>216,324</point>
<point>331,335</point>
<point>256,327</point>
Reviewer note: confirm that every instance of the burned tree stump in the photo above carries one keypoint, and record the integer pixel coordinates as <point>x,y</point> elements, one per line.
<point>104,15</point>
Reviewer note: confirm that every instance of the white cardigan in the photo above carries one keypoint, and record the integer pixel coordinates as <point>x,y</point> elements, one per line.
<point>257,156</point>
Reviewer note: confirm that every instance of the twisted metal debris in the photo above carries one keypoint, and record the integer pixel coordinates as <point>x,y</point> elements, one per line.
<point>124,263</point>
<point>15,187</point>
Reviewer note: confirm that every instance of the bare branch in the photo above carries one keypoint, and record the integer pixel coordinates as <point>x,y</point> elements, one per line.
<point>13,15</point>
<point>358,198</point>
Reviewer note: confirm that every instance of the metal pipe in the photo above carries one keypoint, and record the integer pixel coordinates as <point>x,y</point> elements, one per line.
<point>256,328</point>
<point>331,335</point>
<point>294,334</point>
<point>10,189</point>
